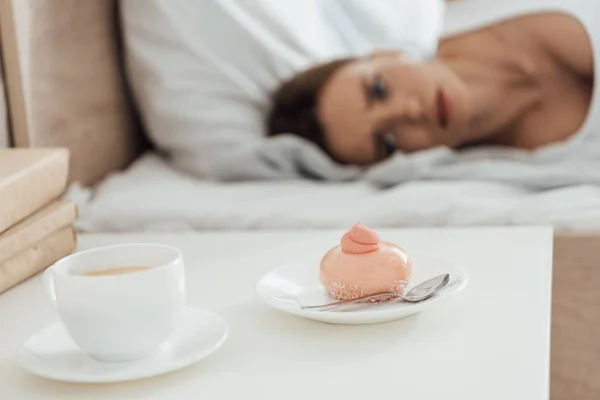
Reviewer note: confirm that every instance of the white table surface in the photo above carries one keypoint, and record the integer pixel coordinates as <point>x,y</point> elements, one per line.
<point>489,342</point>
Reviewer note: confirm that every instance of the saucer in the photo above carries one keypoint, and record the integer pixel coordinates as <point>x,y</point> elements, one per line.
<point>290,287</point>
<point>52,354</point>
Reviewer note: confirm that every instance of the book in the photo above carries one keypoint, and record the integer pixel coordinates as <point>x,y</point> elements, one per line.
<point>30,179</point>
<point>51,218</point>
<point>37,258</point>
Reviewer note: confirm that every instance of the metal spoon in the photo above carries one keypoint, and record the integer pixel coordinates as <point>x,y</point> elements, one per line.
<point>421,292</point>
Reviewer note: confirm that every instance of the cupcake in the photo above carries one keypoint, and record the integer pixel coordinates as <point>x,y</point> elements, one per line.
<point>362,265</point>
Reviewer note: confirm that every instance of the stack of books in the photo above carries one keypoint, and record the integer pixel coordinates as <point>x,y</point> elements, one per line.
<point>36,225</point>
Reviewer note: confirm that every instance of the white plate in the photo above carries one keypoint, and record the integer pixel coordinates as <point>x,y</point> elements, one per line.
<point>52,354</point>
<point>289,287</point>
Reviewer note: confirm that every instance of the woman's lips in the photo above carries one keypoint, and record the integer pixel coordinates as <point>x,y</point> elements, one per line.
<point>443,109</point>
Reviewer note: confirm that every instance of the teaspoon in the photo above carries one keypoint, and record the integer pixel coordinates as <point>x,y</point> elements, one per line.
<point>421,292</point>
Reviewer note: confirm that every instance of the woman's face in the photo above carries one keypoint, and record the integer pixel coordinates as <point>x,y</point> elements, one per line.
<point>372,107</point>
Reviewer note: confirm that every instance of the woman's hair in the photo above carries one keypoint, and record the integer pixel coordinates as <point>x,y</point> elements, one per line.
<point>294,103</point>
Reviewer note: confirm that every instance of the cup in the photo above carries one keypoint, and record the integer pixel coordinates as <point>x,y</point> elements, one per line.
<point>119,317</point>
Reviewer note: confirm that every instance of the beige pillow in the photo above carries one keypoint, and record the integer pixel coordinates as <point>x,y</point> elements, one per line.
<point>64,81</point>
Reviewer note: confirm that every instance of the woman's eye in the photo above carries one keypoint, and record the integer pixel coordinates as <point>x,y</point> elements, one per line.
<point>379,90</point>
<point>387,144</point>
<point>389,140</point>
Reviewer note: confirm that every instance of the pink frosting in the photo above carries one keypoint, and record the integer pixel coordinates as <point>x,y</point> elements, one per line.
<point>359,240</point>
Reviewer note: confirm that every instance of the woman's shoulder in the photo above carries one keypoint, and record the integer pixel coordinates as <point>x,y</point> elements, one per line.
<point>563,27</point>
<point>566,38</point>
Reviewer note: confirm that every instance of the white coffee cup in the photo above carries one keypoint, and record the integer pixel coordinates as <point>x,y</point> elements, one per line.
<point>119,317</point>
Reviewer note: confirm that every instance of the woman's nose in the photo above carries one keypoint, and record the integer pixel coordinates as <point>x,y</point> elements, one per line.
<point>406,108</point>
<point>412,109</point>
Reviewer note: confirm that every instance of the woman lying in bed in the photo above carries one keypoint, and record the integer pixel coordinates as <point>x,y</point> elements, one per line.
<point>524,81</point>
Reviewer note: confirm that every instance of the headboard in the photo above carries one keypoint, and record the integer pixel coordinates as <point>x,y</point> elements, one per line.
<point>65,85</point>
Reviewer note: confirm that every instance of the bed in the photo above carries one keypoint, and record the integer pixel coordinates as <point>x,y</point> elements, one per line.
<point>66,87</point>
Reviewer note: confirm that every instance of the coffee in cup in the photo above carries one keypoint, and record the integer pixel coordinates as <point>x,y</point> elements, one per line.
<point>115,271</point>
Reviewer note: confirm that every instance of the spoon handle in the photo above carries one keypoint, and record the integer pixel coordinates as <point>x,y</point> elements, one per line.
<point>342,303</point>
<point>421,292</point>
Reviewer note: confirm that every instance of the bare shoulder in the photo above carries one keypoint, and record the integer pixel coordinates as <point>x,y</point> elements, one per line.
<point>567,39</point>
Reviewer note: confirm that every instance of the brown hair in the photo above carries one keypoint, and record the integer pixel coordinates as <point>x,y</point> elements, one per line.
<point>294,103</point>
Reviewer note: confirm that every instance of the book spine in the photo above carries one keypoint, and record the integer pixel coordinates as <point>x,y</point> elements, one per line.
<point>37,258</point>
<point>39,184</point>
<point>51,218</point>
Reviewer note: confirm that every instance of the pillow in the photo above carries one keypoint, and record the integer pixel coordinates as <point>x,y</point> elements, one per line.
<point>64,85</point>
<point>202,71</point>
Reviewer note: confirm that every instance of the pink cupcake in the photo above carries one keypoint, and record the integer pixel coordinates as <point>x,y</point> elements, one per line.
<point>362,265</point>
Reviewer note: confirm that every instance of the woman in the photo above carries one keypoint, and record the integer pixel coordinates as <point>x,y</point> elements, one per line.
<point>521,76</point>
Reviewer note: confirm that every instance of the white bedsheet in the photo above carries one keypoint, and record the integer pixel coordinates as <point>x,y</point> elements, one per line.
<point>151,195</point>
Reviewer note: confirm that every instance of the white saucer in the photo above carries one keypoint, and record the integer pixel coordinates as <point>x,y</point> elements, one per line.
<point>52,354</point>
<point>289,287</point>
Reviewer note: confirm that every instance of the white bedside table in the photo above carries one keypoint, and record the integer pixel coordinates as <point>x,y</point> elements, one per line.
<point>489,342</point>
